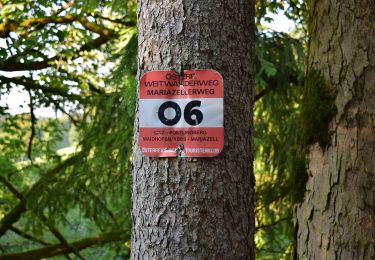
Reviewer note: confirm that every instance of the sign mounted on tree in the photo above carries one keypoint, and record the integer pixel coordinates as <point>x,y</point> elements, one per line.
<point>181,115</point>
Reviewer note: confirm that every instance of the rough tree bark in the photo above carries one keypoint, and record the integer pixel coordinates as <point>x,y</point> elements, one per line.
<point>189,208</point>
<point>337,217</point>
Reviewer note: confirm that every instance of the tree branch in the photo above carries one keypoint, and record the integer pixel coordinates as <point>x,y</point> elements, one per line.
<point>14,58</point>
<point>11,188</point>
<point>64,8</point>
<point>291,79</point>
<point>12,64</point>
<point>59,249</point>
<point>27,236</point>
<point>272,224</point>
<point>30,84</point>
<point>121,21</point>
<point>14,215</point>
<point>262,93</point>
<point>59,236</point>
<point>101,203</point>
<point>57,105</point>
<point>9,26</point>
<point>33,122</point>
<point>84,80</point>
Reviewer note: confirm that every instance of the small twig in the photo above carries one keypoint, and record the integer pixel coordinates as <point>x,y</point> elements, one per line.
<point>54,250</point>
<point>82,79</point>
<point>33,122</point>
<point>30,84</point>
<point>10,174</point>
<point>272,251</point>
<point>102,204</point>
<point>272,224</point>
<point>15,214</point>
<point>118,21</point>
<point>11,188</point>
<point>27,236</point>
<point>59,236</point>
<point>9,46</point>
<point>63,8</point>
<point>261,94</point>
<point>57,105</point>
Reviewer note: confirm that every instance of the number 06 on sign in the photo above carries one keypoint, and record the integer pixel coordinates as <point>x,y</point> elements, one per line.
<point>181,115</point>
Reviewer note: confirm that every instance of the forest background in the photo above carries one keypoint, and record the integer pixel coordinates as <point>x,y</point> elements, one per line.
<point>65,180</point>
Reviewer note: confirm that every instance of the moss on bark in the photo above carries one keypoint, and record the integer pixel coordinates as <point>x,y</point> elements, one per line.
<point>317,110</point>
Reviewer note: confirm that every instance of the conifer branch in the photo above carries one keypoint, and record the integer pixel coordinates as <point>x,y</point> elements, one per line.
<point>85,80</point>
<point>13,64</point>
<point>9,26</point>
<point>30,84</point>
<point>59,107</point>
<point>54,250</point>
<point>102,204</point>
<point>14,215</point>
<point>27,236</point>
<point>59,236</point>
<point>10,187</point>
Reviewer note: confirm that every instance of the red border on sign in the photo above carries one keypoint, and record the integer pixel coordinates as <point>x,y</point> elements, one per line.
<point>194,84</point>
<point>184,141</point>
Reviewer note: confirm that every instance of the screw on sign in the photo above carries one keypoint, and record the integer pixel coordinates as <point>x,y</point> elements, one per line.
<point>181,115</point>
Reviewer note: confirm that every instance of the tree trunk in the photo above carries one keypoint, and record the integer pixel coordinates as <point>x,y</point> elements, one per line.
<point>190,208</point>
<point>336,220</point>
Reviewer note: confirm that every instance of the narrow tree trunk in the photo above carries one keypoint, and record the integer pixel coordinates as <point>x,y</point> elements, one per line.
<point>190,208</point>
<point>337,217</point>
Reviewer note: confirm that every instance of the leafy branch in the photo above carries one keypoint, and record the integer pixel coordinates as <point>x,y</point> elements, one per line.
<point>9,26</point>
<point>13,63</point>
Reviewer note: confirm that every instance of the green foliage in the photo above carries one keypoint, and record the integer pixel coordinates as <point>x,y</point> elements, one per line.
<point>126,67</point>
<point>264,8</point>
<point>279,80</point>
<point>12,129</point>
<point>295,10</point>
<point>83,190</point>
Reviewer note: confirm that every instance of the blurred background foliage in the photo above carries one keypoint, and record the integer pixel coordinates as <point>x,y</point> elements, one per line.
<point>279,169</point>
<point>65,179</point>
